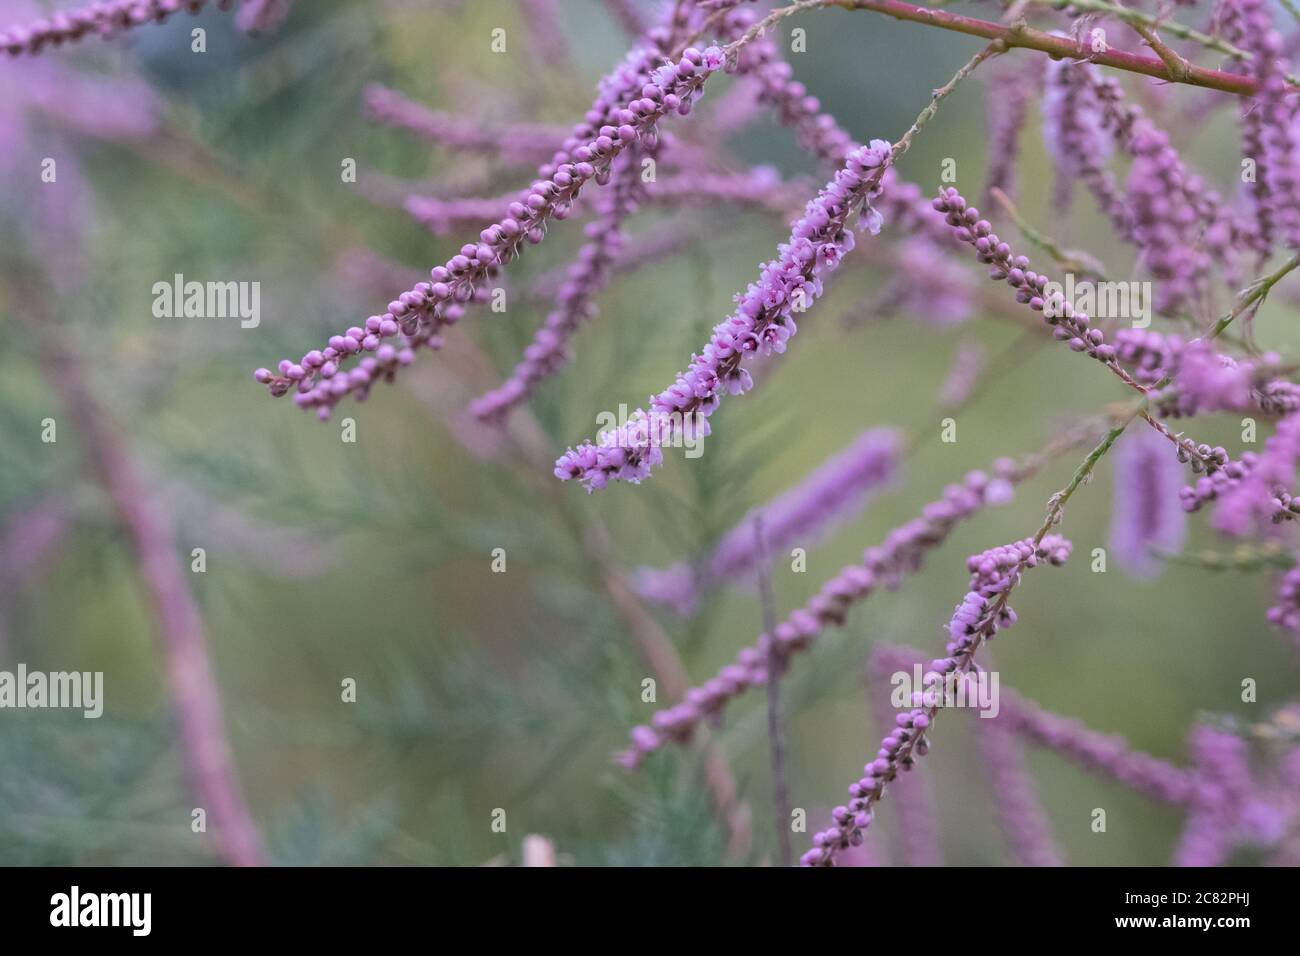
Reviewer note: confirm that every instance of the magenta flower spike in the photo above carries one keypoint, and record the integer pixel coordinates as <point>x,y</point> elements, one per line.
<point>980,615</point>
<point>417,317</point>
<point>761,325</point>
<point>902,552</point>
<point>105,18</point>
<point>1146,517</point>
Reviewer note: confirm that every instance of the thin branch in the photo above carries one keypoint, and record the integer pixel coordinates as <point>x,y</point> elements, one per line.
<point>1253,296</point>
<point>1018,35</point>
<point>1071,260</point>
<point>1136,18</point>
<point>1178,66</point>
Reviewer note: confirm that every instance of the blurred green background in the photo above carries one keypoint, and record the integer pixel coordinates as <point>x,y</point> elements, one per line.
<point>371,560</point>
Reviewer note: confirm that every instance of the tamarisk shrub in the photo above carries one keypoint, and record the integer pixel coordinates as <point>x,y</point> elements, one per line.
<point>1213,253</point>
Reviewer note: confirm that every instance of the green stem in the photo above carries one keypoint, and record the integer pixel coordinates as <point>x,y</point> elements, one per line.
<point>1254,294</point>
<point>1056,504</point>
<point>1244,558</point>
<point>1071,260</point>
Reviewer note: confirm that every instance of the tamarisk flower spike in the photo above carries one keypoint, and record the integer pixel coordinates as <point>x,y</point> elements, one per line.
<point>1146,514</point>
<point>1285,614</point>
<point>575,301</point>
<point>1016,802</point>
<point>417,316</point>
<point>529,141</point>
<point>1108,755</point>
<point>815,131</point>
<point>1020,814</point>
<point>826,497</point>
<point>1181,225</point>
<point>915,836</point>
<point>104,19</point>
<point>1222,784</point>
<point>903,551</point>
<point>1208,381</point>
<point>900,202</point>
<point>1166,224</point>
<point>1261,495</point>
<point>1074,134</point>
<point>1007,107</point>
<point>1068,324</point>
<point>1268,124</point>
<point>980,615</point>
<point>762,323</point>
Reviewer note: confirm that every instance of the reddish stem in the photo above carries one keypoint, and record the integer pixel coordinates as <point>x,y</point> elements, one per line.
<point>1019,35</point>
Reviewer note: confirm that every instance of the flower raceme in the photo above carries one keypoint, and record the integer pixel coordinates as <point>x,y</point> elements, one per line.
<point>417,316</point>
<point>902,552</point>
<point>1146,513</point>
<point>1076,141</point>
<point>575,301</point>
<point>390,108</point>
<point>762,323</point>
<point>980,615</point>
<point>97,19</point>
<point>1268,130</point>
<point>1068,324</point>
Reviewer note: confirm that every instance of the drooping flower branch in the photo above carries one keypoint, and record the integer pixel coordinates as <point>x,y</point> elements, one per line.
<point>1069,325</point>
<point>1269,137</point>
<point>902,552</point>
<point>982,613</point>
<point>419,315</point>
<point>1146,516</point>
<point>515,142</point>
<point>1007,107</point>
<point>1104,754</point>
<point>916,837</point>
<point>761,325</point>
<point>104,19</point>
<point>764,319</point>
<point>575,301</point>
<point>1020,813</point>
<point>1076,141</point>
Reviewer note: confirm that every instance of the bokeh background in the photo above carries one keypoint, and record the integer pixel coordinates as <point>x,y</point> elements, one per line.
<point>372,560</point>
